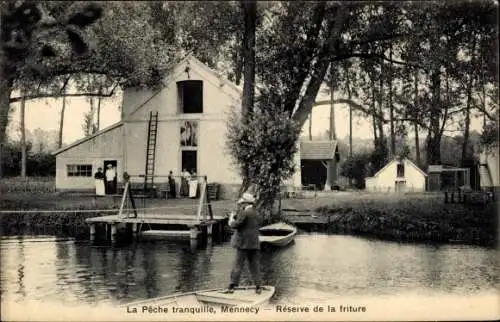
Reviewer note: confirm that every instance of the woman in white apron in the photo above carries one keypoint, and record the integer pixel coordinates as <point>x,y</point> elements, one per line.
<point>193,186</point>
<point>99,183</point>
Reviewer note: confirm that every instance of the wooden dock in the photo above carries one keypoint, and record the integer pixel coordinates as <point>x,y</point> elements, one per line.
<point>171,223</point>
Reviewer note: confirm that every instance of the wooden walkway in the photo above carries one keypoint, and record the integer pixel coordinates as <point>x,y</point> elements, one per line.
<point>202,218</point>
<point>160,219</point>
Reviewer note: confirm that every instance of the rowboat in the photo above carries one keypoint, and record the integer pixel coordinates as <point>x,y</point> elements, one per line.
<point>242,296</point>
<point>278,234</point>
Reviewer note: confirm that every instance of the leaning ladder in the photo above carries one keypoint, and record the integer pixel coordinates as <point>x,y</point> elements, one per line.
<point>150,152</point>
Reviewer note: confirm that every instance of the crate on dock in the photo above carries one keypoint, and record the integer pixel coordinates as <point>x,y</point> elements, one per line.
<point>213,191</point>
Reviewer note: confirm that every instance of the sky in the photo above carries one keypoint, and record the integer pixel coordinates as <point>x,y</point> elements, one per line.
<point>45,114</point>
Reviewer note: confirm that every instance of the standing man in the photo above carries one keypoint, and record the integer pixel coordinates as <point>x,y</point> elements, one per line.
<point>110,179</point>
<point>246,241</point>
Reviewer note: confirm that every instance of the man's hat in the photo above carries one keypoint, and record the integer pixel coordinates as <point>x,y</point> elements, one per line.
<point>247,198</point>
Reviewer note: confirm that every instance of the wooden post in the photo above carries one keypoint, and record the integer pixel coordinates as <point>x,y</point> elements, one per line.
<point>209,230</point>
<point>446,197</point>
<point>193,237</point>
<point>193,233</point>
<point>113,232</point>
<point>92,232</point>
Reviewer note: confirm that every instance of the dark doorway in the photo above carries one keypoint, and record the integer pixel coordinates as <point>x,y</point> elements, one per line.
<point>189,161</point>
<point>313,172</point>
<point>111,176</point>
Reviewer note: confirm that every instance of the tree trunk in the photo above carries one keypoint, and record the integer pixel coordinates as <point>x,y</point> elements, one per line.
<point>374,107</point>
<point>61,121</point>
<point>391,108</point>
<point>5,91</point>
<point>99,99</point>
<point>23,136</point>
<point>417,143</point>
<point>349,96</point>
<point>333,134</point>
<point>434,139</point>
<point>250,14</point>
<point>465,142</point>
<point>310,126</point>
<point>381,104</point>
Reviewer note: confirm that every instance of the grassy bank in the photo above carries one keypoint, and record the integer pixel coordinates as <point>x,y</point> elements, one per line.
<point>419,218</point>
<point>412,217</point>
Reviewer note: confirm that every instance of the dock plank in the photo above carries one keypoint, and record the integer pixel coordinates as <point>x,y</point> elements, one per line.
<point>162,219</point>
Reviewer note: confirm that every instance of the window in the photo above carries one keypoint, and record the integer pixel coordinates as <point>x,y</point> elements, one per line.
<point>189,134</point>
<point>400,170</point>
<point>190,95</point>
<point>79,170</point>
<point>189,161</point>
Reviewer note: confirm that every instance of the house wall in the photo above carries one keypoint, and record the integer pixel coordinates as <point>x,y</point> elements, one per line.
<point>107,146</point>
<point>386,179</point>
<point>490,158</point>
<point>213,159</point>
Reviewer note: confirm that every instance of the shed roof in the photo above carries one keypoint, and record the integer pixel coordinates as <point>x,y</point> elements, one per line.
<point>436,168</point>
<point>319,150</point>
<point>85,139</point>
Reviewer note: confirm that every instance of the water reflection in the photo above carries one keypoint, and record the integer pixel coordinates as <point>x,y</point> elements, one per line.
<point>76,272</point>
<point>20,268</point>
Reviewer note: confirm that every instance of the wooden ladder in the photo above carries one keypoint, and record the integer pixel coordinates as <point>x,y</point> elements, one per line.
<point>150,152</point>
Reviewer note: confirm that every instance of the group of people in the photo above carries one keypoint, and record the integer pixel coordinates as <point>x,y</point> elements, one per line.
<point>105,182</point>
<point>189,184</point>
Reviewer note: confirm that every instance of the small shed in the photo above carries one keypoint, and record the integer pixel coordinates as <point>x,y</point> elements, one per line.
<point>446,177</point>
<point>319,163</point>
<point>399,175</point>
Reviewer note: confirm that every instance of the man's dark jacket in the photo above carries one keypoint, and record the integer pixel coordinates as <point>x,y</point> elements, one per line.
<point>246,225</point>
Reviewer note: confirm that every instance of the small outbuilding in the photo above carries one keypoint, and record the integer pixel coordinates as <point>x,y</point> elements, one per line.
<point>445,177</point>
<point>319,164</point>
<point>399,175</point>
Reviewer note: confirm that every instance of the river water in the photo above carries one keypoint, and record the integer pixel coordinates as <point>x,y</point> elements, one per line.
<point>315,266</point>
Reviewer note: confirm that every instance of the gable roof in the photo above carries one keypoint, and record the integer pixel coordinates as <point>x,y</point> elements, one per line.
<point>397,160</point>
<point>191,60</point>
<point>88,138</point>
<point>319,150</point>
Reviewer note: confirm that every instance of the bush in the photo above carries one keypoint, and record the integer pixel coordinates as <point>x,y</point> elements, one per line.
<point>263,149</point>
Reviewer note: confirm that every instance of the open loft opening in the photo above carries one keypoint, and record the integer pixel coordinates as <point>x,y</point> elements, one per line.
<point>190,96</point>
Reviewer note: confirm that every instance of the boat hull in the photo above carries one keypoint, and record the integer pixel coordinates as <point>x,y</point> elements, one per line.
<point>242,296</point>
<point>279,235</point>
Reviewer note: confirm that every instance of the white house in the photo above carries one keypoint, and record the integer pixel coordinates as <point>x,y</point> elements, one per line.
<point>192,109</point>
<point>397,176</point>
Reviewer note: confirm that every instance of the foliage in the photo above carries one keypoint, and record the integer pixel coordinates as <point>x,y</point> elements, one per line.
<point>40,163</point>
<point>489,137</point>
<point>263,148</point>
<point>357,168</point>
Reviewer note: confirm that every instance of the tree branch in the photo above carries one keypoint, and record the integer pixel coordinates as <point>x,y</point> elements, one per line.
<point>377,56</point>
<point>53,95</point>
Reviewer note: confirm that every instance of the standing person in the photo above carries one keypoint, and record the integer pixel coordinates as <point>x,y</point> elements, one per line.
<point>246,241</point>
<point>185,183</point>
<point>99,182</point>
<point>110,179</point>
<point>193,185</point>
<point>171,185</point>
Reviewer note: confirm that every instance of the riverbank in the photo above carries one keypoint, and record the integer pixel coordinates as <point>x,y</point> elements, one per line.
<point>403,217</point>
<point>414,218</point>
